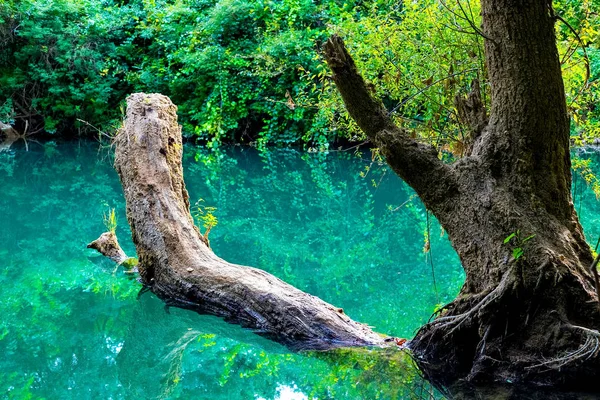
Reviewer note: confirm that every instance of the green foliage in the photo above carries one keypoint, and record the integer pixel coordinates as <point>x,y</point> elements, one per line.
<point>130,263</point>
<point>6,111</point>
<point>578,43</point>
<point>110,220</point>
<point>518,243</point>
<point>251,71</point>
<point>418,59</point>
<point>205,215</point>
<point>229,65</point>
<point>56,61</point>
<point>584,169</point>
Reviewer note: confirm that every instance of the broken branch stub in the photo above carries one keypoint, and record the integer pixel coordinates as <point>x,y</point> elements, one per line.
<point>108,245</point>
<point>179,267</point>
<point>7,136</point>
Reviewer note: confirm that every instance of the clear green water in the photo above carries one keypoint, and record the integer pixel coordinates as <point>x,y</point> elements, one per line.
<point>70,328</point>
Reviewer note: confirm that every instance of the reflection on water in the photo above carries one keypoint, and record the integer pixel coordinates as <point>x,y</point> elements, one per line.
<point>351,235</point>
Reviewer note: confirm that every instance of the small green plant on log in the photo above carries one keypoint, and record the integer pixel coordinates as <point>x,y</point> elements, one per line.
<point>518,242</point>
<point>205,215</point>
<point>110,220</point>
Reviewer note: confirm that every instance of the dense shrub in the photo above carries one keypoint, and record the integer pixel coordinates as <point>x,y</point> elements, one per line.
<point>250,71</point>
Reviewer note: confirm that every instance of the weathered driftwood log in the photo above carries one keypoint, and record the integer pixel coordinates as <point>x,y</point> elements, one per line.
<point>108,245</point>
<point>178,266</point>
<point>7,130</point>
<point>8,136</point>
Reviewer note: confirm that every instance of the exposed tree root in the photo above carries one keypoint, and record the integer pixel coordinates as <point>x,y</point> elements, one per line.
<point>586,351</point>
<point>500,334</point>
<point>453,322</point>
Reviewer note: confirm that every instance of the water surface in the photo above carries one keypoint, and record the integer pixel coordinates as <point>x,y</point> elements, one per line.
<point>339,225</point>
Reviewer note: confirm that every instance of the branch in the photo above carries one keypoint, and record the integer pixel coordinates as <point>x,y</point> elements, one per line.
<point>417,163</point>
<point>585,56</point>
<point>476,29</point>
<point>108,245</point>
<point>411,97</point>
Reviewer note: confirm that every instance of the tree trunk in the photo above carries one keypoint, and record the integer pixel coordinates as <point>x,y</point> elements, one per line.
<point>175,261</point>
<point>528,311</point>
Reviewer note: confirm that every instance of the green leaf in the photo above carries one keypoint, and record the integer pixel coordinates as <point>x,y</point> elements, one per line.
<point>517,253</point>
<point>130,262</point>
<point>509,237</point>
<point>528,238</point>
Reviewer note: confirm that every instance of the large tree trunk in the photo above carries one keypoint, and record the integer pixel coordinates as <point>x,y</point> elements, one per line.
<point>175,261</point>
<point>521,316</point>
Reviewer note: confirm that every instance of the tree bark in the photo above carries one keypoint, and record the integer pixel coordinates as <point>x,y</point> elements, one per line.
<point>8,135</point>
<point>175,261</point>
<point>528,310</point>
<point>108,245</point>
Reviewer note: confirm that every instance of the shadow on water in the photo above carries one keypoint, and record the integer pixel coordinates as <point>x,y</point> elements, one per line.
<point>339,226</point>
<point>228,355</point>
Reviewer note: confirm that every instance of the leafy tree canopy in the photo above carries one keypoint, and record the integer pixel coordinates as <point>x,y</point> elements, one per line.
<point>251,71</point>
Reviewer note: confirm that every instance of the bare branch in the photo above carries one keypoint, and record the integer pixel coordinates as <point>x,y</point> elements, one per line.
<point>585,56</point>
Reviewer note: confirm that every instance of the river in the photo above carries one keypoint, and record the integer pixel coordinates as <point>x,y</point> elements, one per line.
<point>338,225</point>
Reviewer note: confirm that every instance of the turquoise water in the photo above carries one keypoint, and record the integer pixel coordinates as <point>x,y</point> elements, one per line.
<point>339,225</point>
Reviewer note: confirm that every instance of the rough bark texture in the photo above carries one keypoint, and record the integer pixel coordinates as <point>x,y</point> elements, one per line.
<point>529,318</point>
<point>8,135</point>
<point>179,267</point>
<point>472,114</point>
<point>108,245</point>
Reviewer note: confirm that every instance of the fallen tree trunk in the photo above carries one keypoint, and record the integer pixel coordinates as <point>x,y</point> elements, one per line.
<point>8,135</point>
<point>175,261</point>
